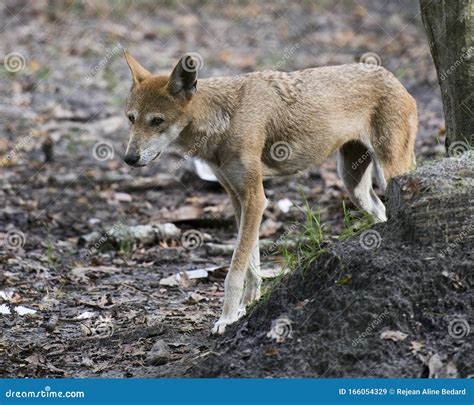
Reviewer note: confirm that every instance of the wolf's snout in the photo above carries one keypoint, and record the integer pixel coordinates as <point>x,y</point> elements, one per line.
<point>131,158</point>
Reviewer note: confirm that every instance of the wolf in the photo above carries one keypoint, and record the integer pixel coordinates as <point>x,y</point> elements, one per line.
<point>271,123</point>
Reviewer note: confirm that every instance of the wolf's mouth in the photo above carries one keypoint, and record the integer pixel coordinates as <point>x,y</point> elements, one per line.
<point>157,155</point>
<point>145,164</point>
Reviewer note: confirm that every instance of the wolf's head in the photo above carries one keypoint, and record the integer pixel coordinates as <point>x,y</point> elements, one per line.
<point>157,108</point>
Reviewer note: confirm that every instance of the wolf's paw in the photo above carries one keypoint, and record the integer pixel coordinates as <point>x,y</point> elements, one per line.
<point>220,325</point>
<point>241,311</point>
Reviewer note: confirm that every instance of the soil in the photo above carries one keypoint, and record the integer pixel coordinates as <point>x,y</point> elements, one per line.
<point>99,312</point>
<point>382,304</point>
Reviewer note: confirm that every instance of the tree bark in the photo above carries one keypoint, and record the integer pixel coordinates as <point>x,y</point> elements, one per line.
<point>433,205</point>
<point>449,25</point>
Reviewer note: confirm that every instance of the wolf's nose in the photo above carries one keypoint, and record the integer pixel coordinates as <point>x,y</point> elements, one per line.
<point>131,158</point>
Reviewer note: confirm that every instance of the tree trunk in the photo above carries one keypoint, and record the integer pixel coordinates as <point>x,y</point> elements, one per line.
<point>449,25</point>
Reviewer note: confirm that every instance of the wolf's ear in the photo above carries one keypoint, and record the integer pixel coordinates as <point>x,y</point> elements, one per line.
<point>183,79</point>
<point>139,73</point>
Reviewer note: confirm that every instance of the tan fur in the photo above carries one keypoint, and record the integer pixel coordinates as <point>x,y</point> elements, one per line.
<point>237,121</point>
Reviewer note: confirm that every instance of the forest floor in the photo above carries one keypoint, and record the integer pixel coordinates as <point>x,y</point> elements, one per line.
<point>82,307</point>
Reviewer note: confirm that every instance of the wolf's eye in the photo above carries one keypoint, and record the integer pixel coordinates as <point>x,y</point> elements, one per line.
<point>131,118</point>
<point>156,121</point>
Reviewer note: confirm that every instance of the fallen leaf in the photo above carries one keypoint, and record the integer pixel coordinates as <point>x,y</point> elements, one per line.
<point>394,335</point>
<point>22,311</point>
<point>415,347</point>
<point>4,310</point>
<point>10,296</point>
<point>85,315</point>
<point>194,298</point>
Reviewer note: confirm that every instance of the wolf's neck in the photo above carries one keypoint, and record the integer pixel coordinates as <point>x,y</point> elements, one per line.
<point>212,107</point>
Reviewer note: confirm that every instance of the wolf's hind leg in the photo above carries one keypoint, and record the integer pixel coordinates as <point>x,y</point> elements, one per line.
<point>355,165</point>
<point>253,278</point>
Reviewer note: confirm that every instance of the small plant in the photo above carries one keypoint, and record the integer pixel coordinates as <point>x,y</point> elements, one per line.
<point>125,247</point>
<point>51,258</point>
<point>354,223</point>
<point>312,239</point>
<point>267,290</point>
<point>310,242</point>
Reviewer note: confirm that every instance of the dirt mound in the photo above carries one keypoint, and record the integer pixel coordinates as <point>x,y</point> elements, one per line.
<point>385,303</point>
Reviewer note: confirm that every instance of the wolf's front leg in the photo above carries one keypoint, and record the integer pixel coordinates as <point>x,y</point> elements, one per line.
<point>252,201</point>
